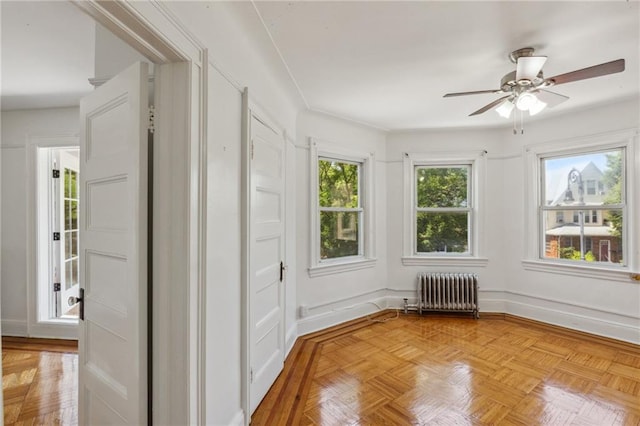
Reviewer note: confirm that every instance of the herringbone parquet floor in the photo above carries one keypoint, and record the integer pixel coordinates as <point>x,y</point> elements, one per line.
<point>455,371</point>
<point>39,382</point>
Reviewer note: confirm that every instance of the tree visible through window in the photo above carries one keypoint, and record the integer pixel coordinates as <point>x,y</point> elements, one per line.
<point>340,208</point>
<point>442,209</point>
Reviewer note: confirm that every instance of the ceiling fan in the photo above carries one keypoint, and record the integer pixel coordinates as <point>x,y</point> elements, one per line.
<point>525,88</point>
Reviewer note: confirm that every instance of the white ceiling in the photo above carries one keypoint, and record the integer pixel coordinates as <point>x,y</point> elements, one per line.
<point>47,54</point>
<point>388,64</point>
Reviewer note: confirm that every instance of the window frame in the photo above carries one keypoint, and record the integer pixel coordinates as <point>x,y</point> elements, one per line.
<point>323,150</point>
<point>535,242</point>
<point>476,160</point>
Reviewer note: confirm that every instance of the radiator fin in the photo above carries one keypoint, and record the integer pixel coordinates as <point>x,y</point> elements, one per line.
<point>447,291</point>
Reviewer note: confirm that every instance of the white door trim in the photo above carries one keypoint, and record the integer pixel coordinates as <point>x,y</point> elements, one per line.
<point>178,233</point>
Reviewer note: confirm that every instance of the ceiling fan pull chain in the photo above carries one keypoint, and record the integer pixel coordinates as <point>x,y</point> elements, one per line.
<point>522,122</point>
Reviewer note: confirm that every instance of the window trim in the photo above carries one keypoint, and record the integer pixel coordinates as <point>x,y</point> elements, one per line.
<point>477,161</point>
<point>318,150</point>
<point>534,242</point>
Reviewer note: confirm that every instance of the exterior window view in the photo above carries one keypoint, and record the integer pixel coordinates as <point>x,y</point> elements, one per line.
<point>442,209</point>
<point>340,208</point>
<point>583,209</point>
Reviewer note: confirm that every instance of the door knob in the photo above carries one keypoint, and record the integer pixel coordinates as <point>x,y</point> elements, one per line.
<point>72,300</point>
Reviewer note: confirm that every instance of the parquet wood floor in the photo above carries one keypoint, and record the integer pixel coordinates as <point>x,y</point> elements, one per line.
<point>39,381</point>
<point>454,371</point>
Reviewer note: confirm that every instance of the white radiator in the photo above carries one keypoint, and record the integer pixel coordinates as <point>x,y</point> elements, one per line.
<point>448,292</point>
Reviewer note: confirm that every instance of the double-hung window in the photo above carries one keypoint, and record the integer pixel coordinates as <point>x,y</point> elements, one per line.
<point>442,208</point>
<point>589,182</point>
<point>569,189</point>
<point>341,209</point>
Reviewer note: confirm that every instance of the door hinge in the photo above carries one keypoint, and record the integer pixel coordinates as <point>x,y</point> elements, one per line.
<point>252,150</point>
<point>56,236</point>
<point>251,375</point>
<point>55,174</point>
<point>152,118</point>
<point>56,286</point>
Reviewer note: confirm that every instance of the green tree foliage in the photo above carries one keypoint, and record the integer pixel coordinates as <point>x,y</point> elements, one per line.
<point>338,188</point>
<point>613,181</point>
<point>441,188</point>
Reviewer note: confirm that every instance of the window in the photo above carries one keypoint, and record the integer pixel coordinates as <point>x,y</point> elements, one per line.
<point>340,208</point>
<point>341,218</point>
<point>565,189</point>
<point>442,207</point>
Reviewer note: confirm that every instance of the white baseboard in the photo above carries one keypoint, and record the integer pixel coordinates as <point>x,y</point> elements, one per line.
<point>54,331</point>
<point>341,311</point>
<point>567,315</point>
<point>626,329</point>
<point>238,419</point>
<point>14,328</point>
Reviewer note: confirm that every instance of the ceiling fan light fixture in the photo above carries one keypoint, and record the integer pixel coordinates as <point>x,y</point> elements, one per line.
<point>537,107</point>
<point>525,101</point>
<point>505,108</point>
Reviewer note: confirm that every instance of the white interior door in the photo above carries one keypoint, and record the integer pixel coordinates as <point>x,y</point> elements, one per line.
<point>112,385</point>
<point>266,257</point>
<point>68,205</point>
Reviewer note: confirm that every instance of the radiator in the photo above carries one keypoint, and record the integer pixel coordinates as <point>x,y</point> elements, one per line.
<point>448,292</point>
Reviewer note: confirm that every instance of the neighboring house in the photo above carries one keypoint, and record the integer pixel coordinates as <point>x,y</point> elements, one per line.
<point>562,227</point>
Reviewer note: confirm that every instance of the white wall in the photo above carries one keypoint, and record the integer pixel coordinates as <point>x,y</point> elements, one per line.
<point>17,128</point>
<point>329,297</point>
<point>601,306</point>
<point>223,250</point>
<point>491,276</point>
<point>240,55</point>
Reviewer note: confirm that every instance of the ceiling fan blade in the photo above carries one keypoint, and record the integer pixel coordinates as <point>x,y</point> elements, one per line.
<point>550,98</point>
<point>528,67</point>
<point>478,92</point>
<point>590,72</point>
<point>489,106</point>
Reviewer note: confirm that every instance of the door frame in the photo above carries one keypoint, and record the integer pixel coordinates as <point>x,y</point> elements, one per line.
<point>179,190</point>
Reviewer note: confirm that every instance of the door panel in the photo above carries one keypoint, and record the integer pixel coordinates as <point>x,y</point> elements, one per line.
<point>113,223</point>
<point>266,254</point>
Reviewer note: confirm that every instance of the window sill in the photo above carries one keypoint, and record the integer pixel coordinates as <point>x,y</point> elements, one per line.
<point>582,271</point>
<point>337,268</point>
<point>444,261</point>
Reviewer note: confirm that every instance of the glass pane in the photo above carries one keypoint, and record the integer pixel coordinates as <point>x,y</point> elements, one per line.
<point>73,184</point>
<point>68,245</point>
<point>591,179</point>
<point>442,186</point>
<point>74,271</point>
<point>337,184</point>
<point>442,232</point>
<point>74,243</point>
<point>73,214</point>
<point>67,215</point>
<point>339,234</point>
<point>66,182</point>
<point>67,274</point>
<point>598,239</point>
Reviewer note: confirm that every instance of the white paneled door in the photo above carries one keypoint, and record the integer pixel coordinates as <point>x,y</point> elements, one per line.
<point>112,385</point>
<point>266,253</point>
